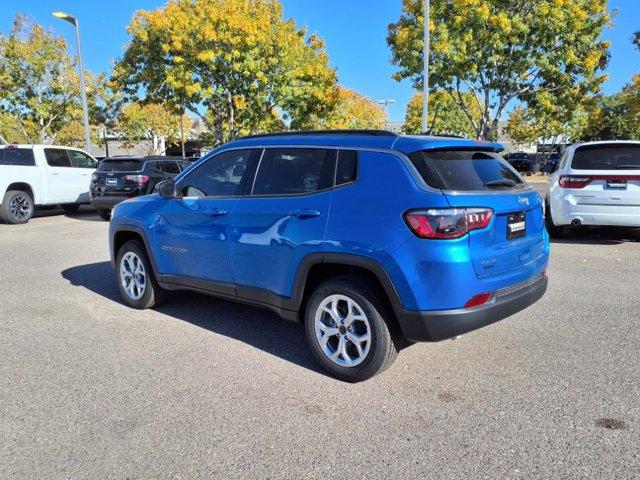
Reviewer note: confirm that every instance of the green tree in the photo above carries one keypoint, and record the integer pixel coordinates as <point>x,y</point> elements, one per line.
<point>231,62</point>
<point>503,51</point>
<point>151,124</point>
<point>350,110</point>
<point>39,86</point>
<point>612,118</point>
<point>445,114</point>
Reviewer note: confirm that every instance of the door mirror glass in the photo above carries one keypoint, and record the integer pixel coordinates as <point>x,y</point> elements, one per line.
<point>166,189</point>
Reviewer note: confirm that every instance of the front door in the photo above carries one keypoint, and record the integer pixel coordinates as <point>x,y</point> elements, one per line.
<point>281,221</point>
<point>192,230</point>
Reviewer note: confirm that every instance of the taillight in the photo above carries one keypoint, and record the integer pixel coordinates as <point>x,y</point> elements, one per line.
<point>572,181</point>
<point>139,179</point>
<point>447,223</point>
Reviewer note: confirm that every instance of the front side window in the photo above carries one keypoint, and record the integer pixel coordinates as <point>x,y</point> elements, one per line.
<point>57,157</point>
<point>22,157</point>
<point>220,176</point>
<point>81,160</point>
<point>461,170</point>
<point>291,171</point>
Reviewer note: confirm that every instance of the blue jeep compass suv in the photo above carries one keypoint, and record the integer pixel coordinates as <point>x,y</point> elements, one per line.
<point>371,239</point>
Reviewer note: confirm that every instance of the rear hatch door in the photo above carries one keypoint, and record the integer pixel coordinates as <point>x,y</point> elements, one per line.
<point>607,174</point>
<point>476,179</point>
<point>109,178</point>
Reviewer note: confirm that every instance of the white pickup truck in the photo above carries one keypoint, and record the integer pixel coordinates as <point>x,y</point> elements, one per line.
<point>33,175</point>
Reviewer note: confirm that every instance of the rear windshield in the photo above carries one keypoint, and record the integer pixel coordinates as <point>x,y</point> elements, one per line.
<point>466,170</point>
<point>127,165</point>
<point>607,157</point>
<point>17,156</point>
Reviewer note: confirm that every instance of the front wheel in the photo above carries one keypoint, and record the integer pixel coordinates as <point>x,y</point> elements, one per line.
<point>350,331</point>
<point>105,213</point>
<point>17,207</point>
<point>136,282</point>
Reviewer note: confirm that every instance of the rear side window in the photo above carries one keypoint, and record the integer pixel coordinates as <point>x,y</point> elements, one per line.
<point>347,168</point>
<point>128,165</point>
<point>22,157</point>
<point>294,171</point>
<point>466,170</point>
<point>169,167</point>
<point>57,157</point>
<point>607,157</point>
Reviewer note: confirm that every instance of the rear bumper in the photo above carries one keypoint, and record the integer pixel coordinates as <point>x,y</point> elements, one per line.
<point>565,210</point>
<point>433,326</point>
<point>107,201</point>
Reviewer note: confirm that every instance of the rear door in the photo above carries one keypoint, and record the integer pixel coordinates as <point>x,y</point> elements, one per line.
<point>282,220</point>
<point>607,174</point>
<point>62,177</point>
<point>468,179</point>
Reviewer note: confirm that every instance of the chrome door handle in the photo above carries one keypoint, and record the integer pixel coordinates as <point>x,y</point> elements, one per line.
<point>305,213</point>
<point>216,212</point>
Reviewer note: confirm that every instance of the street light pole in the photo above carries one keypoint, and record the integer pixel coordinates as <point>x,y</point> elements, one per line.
<point>425,92</point>
<point>83,91</point>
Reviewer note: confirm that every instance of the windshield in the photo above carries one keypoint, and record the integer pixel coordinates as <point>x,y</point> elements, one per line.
<point>128,165</point>
<point>607,157</point>
<point>466,170</point>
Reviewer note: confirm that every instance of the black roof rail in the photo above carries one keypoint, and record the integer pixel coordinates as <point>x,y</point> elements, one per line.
<point>375,133</point>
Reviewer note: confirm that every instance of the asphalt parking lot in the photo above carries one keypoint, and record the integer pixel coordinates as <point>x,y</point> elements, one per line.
<point>203,388</point>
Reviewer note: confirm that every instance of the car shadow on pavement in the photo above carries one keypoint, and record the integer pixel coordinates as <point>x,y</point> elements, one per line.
<point>86,213</point>
<point>259,328</point>
<point>600,236</point>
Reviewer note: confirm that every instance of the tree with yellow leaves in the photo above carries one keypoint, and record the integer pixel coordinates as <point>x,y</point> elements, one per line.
<point>501,52</point>
<point>231,62</point>
<point>445,114</point>
<point>351,110</point>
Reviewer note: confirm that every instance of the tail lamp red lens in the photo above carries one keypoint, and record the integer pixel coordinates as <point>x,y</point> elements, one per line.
<point>447,223</point>
<point>478,300</point>
<point>573,181</point>
<point>139,179</point>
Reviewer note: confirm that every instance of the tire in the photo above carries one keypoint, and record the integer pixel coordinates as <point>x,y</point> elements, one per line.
<point>17,207</point>
<point>105,213</point>
<point>375,355</point>
<point>71,207</point>
<point>143,291</point>
<point>554,230</point>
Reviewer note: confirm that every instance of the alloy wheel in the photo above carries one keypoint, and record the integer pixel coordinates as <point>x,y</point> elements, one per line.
<point>20,207</point>
<point>133,275</point>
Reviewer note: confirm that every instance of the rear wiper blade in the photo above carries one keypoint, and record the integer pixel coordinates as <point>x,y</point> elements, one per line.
<point>500,183</point>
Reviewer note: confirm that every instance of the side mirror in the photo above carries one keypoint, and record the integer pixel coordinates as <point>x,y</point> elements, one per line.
<point>166,188</point>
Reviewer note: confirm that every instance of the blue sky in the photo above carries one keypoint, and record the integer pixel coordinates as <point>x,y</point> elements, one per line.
<point>354,32</point>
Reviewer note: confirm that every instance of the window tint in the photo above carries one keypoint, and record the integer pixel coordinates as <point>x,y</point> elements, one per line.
<point>17,156</point>
<point>293,171</point>
<point>81,160</point>
<point>607,157</point>
<point>219,176</point>
<point>465,170</point>
<point>171,168</point>
<point>128,165</point>
<point>347,166</point>
<point>57,157</point>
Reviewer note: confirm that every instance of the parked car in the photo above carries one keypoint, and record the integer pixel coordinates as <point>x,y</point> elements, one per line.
<point>370,239</point>
<point>120,178</point>
<point>520,161</point>
<point>550,164</point>
<point>34,175</point>
<point>596,183</point>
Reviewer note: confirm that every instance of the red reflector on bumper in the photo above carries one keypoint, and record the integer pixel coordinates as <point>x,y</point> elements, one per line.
<point>478,300</point>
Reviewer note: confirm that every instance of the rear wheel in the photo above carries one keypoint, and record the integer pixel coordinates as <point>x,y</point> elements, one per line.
<point>105,213</point>
<point>350,332</point>
<point>71,207</point>
<point>17,207</point>
<point>554,230</point>
<point>136,282</point>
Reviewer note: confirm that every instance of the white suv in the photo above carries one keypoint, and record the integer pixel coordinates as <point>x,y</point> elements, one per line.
<point>596,183</point>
